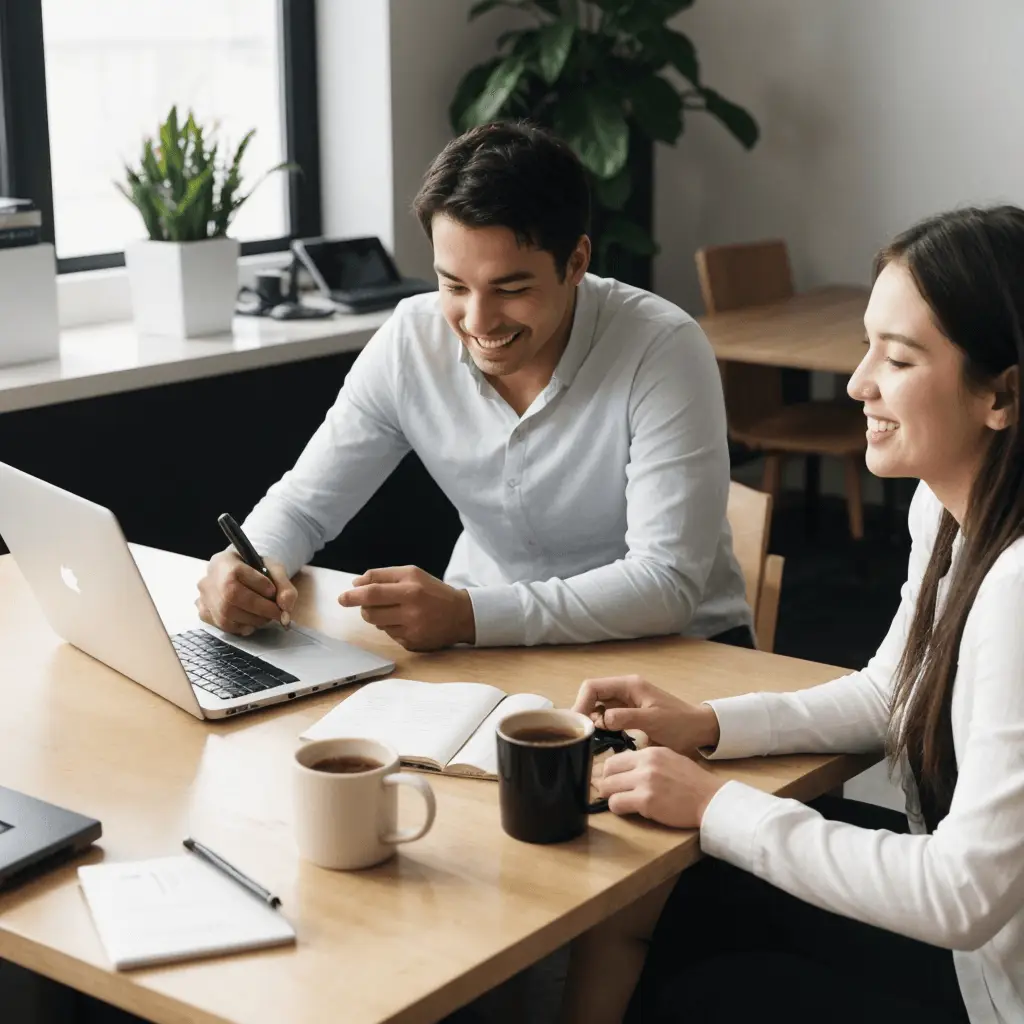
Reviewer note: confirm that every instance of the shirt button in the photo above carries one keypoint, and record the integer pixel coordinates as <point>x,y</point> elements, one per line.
<point>512,484</point>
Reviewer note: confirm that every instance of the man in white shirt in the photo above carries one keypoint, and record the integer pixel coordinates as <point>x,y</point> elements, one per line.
<point>576,423</point>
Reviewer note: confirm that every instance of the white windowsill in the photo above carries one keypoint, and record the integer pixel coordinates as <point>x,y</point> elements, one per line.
<point>106,359</point>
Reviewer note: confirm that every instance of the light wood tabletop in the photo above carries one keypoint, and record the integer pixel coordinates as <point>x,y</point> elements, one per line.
<point>821,329</point>
<point>411,940</point>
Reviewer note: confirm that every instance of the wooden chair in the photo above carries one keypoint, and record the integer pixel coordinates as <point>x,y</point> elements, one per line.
<point>754,274</point>
<point>750,517</point>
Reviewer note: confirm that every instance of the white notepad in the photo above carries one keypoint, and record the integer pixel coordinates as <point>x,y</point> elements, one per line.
<point>175,908</point>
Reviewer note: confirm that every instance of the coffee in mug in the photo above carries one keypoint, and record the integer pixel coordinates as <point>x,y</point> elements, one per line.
<point>346,802</point>
<point>545,736</point>
<point>346,765</point>
<point>544,763</point>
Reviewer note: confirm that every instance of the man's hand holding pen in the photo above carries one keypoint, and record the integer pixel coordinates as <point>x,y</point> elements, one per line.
<point>238,598</point>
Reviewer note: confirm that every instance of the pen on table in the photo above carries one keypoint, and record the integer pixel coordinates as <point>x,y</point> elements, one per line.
<point>247,552</point>
<point>232,872</point>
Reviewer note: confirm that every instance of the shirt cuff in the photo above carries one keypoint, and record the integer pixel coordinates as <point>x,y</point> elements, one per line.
<point>729,827</point>
<point>744,725</point>
<point>497,616</point>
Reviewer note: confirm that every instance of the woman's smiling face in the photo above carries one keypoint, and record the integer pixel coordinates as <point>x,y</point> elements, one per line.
<point>923,420</point>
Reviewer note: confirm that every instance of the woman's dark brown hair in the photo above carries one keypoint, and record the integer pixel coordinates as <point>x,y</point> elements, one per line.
<point>968,266</point>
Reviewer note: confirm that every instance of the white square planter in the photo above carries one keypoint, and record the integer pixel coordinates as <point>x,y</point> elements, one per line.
<point>28,304</point>
<point>183,289</point>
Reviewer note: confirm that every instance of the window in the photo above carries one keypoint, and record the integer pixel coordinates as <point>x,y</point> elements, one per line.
<point>110,71</point>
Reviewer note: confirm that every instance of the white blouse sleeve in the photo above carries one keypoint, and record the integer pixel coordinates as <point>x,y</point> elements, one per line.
<point>849,714</point>
<point>955,888</point>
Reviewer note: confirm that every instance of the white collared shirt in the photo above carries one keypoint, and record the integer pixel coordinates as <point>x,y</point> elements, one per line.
<point>599,514</point>
<point>961,887</point>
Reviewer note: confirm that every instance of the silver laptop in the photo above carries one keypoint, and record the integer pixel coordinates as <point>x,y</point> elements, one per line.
<point>75,557</point>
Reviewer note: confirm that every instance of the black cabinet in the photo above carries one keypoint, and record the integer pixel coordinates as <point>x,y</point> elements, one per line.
<point>168,460</point>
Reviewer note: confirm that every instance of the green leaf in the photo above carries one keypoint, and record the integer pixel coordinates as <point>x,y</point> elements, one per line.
<point>645,14</point>
<point>506,37</point>
<point>551,7</point>
<point>628,235</point>
<point>676,49</point>
<point>554,42</point>
<point>670,8</point>
<point>500,83</point>
<point>612,193</point>
<point>180,189</point>
<point>738,121</point>
<point>595,127</point>
<point>473,83</point>
<point>657,109</point>
<point>483,6</point>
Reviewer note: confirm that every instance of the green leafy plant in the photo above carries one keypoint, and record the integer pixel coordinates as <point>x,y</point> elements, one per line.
<point>594,71</point>
<point>181,189</point>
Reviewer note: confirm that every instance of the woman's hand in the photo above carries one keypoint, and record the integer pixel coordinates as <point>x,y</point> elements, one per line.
<point>659,784</point>
<point>629,702</point>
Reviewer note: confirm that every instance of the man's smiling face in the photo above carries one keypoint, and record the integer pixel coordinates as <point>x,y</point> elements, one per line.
<point>507,302</point>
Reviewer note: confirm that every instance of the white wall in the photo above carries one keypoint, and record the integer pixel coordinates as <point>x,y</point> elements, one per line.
<point>874,113</point>
<point>432,46</point>
<point>387,70</point>
<point>354,97</point>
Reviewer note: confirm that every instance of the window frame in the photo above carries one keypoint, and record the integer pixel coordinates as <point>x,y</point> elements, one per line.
<point>25,137</point>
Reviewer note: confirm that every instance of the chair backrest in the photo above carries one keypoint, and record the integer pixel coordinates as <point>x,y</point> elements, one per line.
<point>738,276</point>
<point>750,517</point>
<point>735,277</point>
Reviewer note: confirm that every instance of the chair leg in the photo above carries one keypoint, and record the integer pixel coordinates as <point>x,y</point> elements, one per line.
<point>771,479</point>
<point>854,500</point>
<point>812,493</point>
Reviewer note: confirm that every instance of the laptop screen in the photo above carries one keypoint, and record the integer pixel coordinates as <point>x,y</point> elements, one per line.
<point>352,263</point>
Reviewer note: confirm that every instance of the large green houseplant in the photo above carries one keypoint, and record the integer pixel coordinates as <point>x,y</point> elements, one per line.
<point>611,77</point>
<point>184,277</point>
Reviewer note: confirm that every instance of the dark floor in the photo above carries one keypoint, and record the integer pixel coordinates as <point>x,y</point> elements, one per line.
<point>838,595</point>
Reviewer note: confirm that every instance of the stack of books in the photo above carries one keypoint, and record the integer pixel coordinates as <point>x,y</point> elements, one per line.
<point>20,222</point>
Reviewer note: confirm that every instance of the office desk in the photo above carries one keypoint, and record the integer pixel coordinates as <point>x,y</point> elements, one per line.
<point>453,915</point>
<point>821,329</point>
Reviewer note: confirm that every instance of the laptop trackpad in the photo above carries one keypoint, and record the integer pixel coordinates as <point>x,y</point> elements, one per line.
<point>273,638</point>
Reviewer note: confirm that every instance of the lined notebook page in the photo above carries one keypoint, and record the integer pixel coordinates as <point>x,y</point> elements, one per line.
<point>418,719</point>
<point>481,752</point>
<point>175,908</point>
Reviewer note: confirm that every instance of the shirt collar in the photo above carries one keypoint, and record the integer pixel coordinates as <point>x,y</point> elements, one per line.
<point>581,339</point>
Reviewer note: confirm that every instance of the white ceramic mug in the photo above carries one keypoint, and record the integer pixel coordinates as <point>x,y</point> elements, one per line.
<point>350,819</point>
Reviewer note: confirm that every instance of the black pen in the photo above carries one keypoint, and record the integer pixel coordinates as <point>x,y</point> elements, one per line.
<point>232,872</point>
<point>248,554</point>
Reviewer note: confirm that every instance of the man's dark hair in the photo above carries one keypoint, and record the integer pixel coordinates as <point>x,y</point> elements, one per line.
<point>513,175</point>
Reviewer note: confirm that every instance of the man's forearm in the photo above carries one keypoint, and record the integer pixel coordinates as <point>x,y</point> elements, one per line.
<point>621,601</point>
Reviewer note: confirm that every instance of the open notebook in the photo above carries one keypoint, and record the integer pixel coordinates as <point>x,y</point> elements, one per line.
<point>441,727</point>
<point>175,908</point>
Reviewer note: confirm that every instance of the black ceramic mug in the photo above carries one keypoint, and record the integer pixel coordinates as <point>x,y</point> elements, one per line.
<point>544,763</point>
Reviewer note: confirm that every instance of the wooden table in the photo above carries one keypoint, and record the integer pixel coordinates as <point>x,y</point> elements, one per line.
<point>455,914</point>
<point>822,329</point>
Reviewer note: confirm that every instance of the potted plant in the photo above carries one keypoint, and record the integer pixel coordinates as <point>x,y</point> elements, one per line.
<point>594,71</point>
<point>184,277</point>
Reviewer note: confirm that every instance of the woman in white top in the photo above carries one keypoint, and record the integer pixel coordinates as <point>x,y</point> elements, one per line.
<point>800,918</point>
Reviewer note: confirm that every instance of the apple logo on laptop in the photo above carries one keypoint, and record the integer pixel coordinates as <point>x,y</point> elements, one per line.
<point>70,579</point>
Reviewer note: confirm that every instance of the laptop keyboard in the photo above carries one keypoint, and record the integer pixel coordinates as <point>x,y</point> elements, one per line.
<point>224,670</point>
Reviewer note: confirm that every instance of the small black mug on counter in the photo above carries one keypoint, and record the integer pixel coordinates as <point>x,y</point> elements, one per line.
<point>544,764</point>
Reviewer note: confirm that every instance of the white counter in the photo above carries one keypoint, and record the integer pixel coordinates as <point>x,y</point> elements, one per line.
<point>107,359</point>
